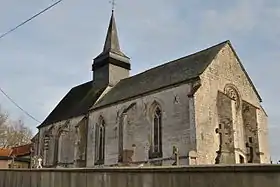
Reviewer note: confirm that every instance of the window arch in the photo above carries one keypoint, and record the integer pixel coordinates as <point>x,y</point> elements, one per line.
<point>156,147</point>
<point>100,141</point>
<point>232,92</point>
<point>64,145</point>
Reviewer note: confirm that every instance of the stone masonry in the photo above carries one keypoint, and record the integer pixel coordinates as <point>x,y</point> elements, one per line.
<point>199,109</point>
<point>226,69</point>
<point>174,103</point>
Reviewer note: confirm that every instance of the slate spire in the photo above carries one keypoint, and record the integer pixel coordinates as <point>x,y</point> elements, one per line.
<point>112,40</point>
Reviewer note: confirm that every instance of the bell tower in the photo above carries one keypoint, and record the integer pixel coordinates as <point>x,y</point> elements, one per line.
<point>111,65</point>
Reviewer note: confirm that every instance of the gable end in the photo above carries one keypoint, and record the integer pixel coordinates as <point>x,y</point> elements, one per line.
<point>245,72</point>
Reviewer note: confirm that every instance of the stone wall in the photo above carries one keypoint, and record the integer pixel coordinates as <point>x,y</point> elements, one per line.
<point>204,176</point>
<point>189,122</point>
<point>225,74</point>
<point>249,115</point>
<point>225,153</point>
<point>263,135</point>
<point>137,124</point>
<point>81,142</point>
<point>62,143</point>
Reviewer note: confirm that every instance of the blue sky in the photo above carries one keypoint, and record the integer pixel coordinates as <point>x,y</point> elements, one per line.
<point>42,60</point>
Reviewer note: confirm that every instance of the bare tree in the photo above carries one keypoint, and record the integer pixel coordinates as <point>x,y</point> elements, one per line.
<point>3,117</point>
<point>13,133</point>
<point>3,127</point>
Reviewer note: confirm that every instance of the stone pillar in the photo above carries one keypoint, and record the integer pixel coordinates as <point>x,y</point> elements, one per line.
<point>121,138</point>
<point>192,137</point>
<point>192,157</point>
<point>81,143</point>
<point>263,136</point>
<point>127,147</point>
<point>46,144</point>
<point>225,153</point>
<point>249,114</point>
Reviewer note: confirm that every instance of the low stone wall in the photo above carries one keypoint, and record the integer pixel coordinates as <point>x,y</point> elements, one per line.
<point>198,176</point>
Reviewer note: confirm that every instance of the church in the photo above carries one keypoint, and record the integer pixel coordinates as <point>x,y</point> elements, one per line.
<point>199,109</point>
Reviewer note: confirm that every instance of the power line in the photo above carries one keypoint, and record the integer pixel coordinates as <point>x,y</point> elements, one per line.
<point>24,111</point>
<point>26,21</point>
<point>13,29</point>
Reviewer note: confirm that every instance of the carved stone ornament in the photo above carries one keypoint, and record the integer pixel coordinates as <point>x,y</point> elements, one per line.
<point>232,93</point>
<point>176,99</point>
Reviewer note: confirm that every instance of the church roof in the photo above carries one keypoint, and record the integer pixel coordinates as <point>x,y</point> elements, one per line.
<point>174,72</point>
<point>80,99</point>
<point>76,102</point>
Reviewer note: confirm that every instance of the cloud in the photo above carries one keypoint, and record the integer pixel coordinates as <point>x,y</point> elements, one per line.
<point>42,60</point>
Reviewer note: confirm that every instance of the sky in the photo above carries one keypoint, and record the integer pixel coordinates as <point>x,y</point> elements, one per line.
<point>45,58</point>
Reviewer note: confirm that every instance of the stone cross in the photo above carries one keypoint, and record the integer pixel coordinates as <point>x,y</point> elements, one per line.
<point>225,154</point>
<point>220,131</point>
<point>39,166</point>
<point>176,155</point>
<point>223,135</point>
<point>250,146</point>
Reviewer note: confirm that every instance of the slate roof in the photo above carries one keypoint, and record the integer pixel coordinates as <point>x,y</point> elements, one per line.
<point>173,72</point>
<point>83,97</point>
<point>76,102</point>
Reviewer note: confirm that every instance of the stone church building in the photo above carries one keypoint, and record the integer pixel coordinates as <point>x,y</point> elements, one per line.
<point>204,106</point>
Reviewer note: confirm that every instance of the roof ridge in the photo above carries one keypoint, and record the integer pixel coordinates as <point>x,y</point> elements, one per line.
<point>195,53</point>
<point>82,84</point>
<point>170,73</point>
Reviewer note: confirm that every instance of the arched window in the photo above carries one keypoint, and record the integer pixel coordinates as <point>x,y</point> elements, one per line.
<point>46,142</point>
<point>156,148</point>
<point>64,147</point>
<point>100,142</point>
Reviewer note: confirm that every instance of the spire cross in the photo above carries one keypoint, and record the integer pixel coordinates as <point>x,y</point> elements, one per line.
<point>113,4</point>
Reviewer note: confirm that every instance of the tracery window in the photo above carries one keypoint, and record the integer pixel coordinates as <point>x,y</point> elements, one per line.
<point>156,148</point>
<point>100,142</point>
